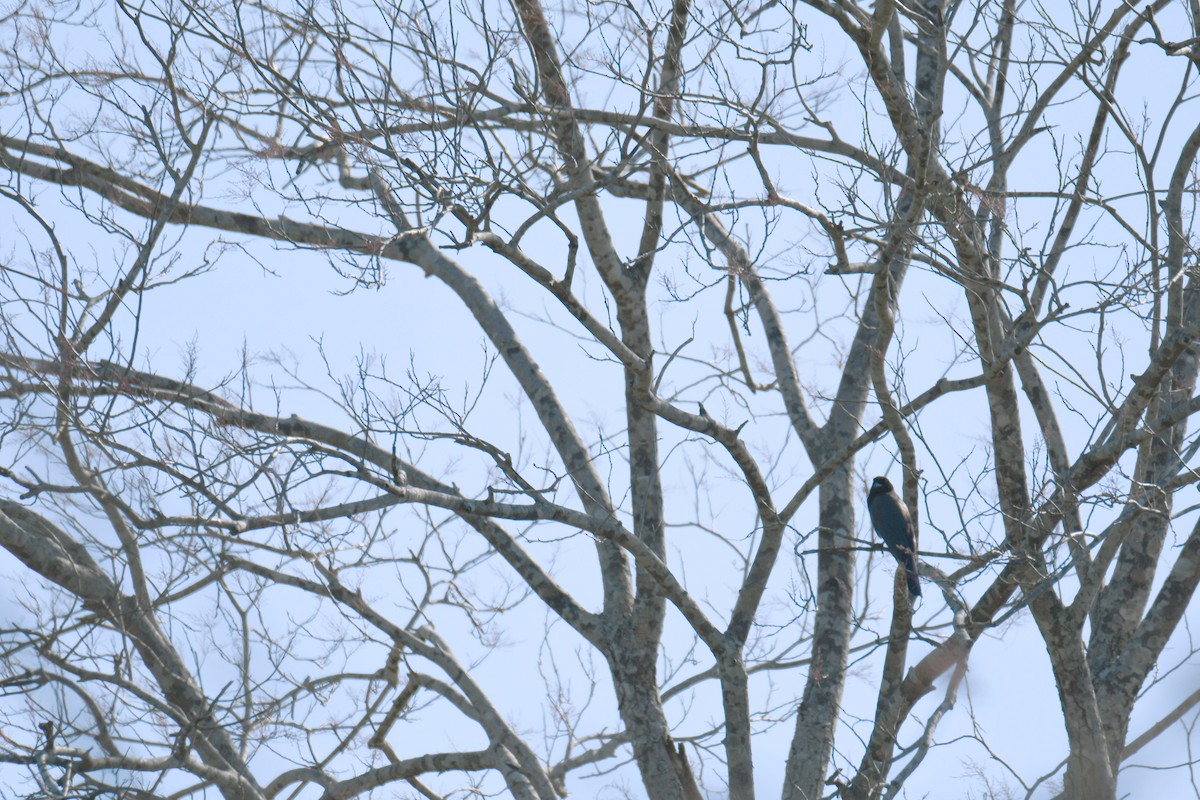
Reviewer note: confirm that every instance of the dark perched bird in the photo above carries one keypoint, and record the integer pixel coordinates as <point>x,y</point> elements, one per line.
<point>48,731</point>
<point>892,522</point>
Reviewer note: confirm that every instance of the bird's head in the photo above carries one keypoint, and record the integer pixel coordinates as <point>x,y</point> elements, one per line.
<point>881,485</point>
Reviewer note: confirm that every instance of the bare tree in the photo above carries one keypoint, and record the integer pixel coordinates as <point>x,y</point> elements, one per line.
<point>724,258</point>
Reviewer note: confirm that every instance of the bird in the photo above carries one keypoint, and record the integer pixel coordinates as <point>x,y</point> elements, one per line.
<point>893,523</point>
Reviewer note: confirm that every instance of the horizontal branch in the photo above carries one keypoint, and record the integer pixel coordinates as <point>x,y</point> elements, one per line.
<point>470,761</point>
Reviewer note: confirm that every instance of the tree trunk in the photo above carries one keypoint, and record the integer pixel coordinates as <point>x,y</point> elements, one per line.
<point>817,718</point>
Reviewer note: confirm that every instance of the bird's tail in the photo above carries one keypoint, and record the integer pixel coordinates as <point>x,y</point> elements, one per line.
<point>910,574</point>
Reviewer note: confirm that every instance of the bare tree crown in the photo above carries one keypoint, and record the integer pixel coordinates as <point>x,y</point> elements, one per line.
<point>660,285</point>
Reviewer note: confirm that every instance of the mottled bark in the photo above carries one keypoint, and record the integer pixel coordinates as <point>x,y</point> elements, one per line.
<point>1119,619</point>
<point>890,709</point>
<point>633,671</point>
<point>816,720</point>
<point>735,701</point>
